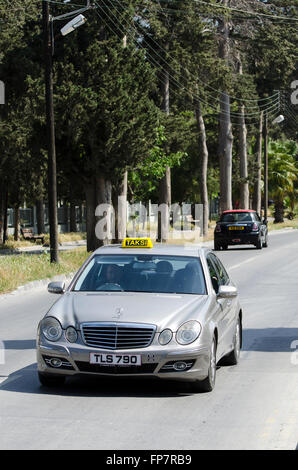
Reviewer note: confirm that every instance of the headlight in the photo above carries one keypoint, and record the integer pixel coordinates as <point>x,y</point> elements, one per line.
<point>71,334</point>
<point>188,332</point>
<point>165,337</point>
<point>51,328</point>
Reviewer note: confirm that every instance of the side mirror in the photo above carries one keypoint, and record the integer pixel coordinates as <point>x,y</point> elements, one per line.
<point>227,292</point>
<point>265,221</point>
<point>56,287</point>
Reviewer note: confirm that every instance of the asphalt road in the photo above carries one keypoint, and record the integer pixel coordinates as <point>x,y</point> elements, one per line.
<point>254,404</point>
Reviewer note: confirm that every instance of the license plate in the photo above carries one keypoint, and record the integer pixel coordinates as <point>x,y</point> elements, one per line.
<point>116,359</point>
<point>236,228</point>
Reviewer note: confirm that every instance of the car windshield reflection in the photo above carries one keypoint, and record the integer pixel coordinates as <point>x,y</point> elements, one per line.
<point>143,273</point>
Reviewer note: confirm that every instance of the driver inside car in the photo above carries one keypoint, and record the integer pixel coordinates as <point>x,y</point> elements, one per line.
<point>112,278</point>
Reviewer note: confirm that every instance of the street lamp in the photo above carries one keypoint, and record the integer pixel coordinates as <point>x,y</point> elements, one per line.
<point>50,123</point>
<point>277,120</point>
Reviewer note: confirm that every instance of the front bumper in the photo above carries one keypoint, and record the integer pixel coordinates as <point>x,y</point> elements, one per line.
<point>156,361</point>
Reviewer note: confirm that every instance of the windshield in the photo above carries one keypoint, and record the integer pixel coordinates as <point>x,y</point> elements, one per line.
<point>143,273</point>
<point>237,217</point>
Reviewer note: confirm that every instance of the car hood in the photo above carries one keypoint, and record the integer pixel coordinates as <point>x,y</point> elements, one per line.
<point>162,310</point>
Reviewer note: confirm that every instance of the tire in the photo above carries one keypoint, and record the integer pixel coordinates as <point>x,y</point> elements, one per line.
<point>208,384</point>
<point>232,358</point>
<point>259,244</point>
<point>265,244</point>
<point>216,246</point>
<point>225,246</point>
<point>51,381</point>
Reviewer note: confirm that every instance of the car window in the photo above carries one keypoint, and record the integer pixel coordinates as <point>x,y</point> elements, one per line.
<point>143,273</point>
<point>213,274</point>
<point>234,217</point>
<point>223,275</point>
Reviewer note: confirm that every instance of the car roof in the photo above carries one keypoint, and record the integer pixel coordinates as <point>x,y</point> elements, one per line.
<point>238,210</point>
<point>158,249</point>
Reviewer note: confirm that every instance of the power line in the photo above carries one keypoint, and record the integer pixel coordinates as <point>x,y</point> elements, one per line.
<point>172,78</point>
<point>270,110</point>
<point>237,10</point>
<point>197,78</point>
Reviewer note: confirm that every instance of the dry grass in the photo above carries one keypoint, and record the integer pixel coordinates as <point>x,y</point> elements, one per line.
<point>11,244</point>
<point>285,224</point>
<point>17,270</point>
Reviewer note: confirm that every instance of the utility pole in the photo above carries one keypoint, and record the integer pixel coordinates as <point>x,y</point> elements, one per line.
<point>265,135</point>
<point>52,174</point>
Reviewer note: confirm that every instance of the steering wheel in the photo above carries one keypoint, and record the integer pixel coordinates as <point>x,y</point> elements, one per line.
<point>110,286</point>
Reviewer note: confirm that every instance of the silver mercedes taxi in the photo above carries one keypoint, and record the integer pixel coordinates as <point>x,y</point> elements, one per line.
<point>135,309</point>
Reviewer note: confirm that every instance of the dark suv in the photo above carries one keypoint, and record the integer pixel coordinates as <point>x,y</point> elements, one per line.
<point>240,227</point>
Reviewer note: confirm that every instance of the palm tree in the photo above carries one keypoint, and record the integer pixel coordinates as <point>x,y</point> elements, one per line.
<point>283,174</point>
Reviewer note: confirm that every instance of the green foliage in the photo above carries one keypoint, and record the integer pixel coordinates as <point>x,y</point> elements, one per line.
<point>108,98</point>
<point>145,176</point>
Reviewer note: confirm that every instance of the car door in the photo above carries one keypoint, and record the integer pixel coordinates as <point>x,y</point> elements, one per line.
<point>219,315</point>
<point>228,306</point>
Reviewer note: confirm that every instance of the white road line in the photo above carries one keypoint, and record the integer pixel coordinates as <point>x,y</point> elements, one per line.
<point>235,266</point>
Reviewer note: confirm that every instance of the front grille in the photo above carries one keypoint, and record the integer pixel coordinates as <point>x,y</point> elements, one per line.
<point>97,368</point>
<point>117,335</point>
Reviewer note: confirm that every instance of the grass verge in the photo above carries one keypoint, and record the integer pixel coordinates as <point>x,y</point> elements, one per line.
<point>17,270</point>
<point>13,245</point>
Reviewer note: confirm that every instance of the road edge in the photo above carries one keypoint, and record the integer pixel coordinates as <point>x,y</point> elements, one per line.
<point>38,284</point>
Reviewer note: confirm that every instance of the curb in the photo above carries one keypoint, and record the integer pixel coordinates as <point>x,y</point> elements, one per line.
<point>35,285</point>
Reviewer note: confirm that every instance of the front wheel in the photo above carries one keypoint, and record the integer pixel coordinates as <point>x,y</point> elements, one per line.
<point>208,384</point>
<point>259,244</point>
<point>265,245</point>
<point>233,357</point>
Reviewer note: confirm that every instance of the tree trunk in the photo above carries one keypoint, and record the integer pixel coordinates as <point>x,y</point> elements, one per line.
<point>40,216</point>
<point>16,213</point>
<point>72,217</point>
<point>165,183</point>
<point>279,210</point>
<point>5,221</point>
<point>225,139</point>
<point>2,199</point>
<point>203,167</point>
<point>103,211</point>
<point>90,215</point>
<point>225,143</point>
<point>120,209</point>
<point>257,192</point>
<point>244,188</point>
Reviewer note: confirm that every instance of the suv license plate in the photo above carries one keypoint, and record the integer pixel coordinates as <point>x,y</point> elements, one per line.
<point>116,359</point>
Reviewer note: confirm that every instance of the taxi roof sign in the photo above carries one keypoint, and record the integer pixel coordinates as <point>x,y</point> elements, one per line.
<point>137,243</point>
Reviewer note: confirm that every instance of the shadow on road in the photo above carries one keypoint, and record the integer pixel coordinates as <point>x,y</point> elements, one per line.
<point>20,344</point>
<point>25,380</point>
<point>269,339</point>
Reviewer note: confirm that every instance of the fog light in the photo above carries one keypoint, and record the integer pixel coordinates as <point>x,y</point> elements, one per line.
<point>180,365</point>
<point>55,362</point>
